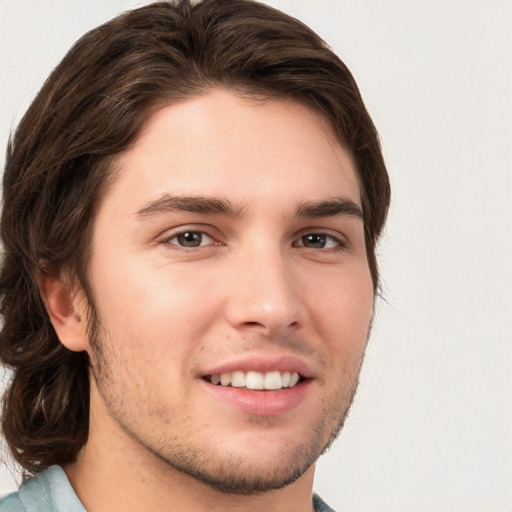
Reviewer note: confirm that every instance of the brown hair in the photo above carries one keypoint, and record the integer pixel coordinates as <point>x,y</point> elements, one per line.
<point>91,109</point>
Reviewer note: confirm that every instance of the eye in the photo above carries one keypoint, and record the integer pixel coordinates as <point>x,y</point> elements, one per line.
<point>190,239</point>
<point>319,241</point>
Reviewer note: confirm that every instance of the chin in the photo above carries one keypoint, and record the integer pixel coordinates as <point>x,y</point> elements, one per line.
<point>266,466</point>
<point>237,475</point>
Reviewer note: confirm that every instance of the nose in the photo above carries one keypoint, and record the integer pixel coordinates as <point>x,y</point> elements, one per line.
<point>263,294</point>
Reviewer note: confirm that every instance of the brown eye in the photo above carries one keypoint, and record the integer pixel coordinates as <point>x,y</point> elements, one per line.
<point>319,241</point>
<point>314,241</point>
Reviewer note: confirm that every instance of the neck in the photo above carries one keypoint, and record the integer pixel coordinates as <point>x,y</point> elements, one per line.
<point>114,472</point>
<point>109,484</point>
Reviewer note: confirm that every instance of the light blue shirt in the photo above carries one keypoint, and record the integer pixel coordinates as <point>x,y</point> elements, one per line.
<point>51,492</point>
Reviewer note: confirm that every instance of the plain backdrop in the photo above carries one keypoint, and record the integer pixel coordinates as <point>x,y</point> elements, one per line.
<point>431,427</point>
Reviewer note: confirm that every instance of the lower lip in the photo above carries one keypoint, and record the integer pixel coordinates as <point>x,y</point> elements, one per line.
<point>261,403</point>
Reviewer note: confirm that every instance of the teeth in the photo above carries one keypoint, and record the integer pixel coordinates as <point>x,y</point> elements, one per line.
<point>294,378</point>
<point>273,380</point>
<point>257,380</point>
<point>225,379</point>
<point>238,379</point>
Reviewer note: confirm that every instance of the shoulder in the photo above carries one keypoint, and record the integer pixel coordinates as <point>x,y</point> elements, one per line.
<point>33,495</point>
<point>320,505</point>
<point>11,503</point>
<point>49,491</point>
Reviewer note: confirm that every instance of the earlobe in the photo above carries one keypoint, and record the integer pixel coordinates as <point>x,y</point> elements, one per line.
<point>64,306</point>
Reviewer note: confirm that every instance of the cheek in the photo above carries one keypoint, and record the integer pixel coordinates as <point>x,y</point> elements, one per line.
<point>343,311</point>
<point>154,305</point>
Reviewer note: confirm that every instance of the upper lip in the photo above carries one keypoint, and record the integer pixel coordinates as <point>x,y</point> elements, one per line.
<point>263,363</point>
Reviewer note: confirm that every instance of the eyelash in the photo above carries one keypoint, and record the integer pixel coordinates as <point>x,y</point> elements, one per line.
<point>201,232</point>
<point>337,243</point>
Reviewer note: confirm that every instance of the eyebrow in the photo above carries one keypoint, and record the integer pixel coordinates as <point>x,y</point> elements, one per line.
<point>168,203</point>
<point>195,204</point>
<point>330,208</point>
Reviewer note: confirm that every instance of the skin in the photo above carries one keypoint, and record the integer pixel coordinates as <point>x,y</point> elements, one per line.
<point>267,281</point>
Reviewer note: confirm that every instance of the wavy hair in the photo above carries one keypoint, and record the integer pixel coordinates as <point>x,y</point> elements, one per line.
<point>60,159</point>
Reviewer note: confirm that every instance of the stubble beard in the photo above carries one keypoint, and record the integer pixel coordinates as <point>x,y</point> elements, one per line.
<point>234,475</point>
<point>227,473</point>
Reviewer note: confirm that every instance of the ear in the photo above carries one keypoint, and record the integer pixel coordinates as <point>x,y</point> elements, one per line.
<point>65,307</point>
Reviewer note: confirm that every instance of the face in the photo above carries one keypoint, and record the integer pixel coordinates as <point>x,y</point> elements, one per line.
<point>233,292</point>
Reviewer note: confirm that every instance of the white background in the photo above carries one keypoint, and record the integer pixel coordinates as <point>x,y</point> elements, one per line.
<point>432,426</point>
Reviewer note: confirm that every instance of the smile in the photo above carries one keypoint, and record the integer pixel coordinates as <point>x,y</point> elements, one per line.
<point>253,380</point>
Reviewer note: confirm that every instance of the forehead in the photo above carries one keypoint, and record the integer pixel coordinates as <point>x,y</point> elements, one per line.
<point>220,143</point>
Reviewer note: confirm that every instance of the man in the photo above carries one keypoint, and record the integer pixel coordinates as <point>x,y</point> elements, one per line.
<point>191,209</point>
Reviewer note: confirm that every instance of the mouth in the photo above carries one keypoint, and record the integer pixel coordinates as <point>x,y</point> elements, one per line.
<point>261,385</point>
<point>256,381</point>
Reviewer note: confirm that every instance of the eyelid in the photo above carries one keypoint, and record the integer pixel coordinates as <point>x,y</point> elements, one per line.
<point>341,240</point>
<point>169,234</point>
